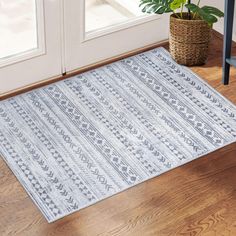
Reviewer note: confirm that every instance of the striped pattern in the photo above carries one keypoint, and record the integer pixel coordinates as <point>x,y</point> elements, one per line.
<point>81,140</point>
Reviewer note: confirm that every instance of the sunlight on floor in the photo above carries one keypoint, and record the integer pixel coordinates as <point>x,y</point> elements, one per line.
<point>103,13</point>
<point>17,27</point>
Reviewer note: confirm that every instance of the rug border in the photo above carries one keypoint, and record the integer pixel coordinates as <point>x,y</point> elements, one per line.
<point>102,199</point>
<point>15,173</point>
<point>196,75</point>
<point>166,53</point>
<point>161,173</point>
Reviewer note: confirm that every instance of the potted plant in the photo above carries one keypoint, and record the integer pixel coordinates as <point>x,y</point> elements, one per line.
<point>190,32</point>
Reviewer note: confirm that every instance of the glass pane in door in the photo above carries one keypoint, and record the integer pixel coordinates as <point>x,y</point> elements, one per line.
<point>18,27</point>
<point>103,13</point>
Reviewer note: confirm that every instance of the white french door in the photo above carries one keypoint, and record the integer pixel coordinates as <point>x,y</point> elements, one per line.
<point>96,30</point>
<point>41,39</point>
<point>30,42</point>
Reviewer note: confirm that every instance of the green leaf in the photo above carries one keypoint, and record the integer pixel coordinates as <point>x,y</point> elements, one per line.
<point>210,19</point>
<point>177,4</point>
<point>209,14</point>
<point>213,11</point>
<point>156,6</point>
<point>192,7</point>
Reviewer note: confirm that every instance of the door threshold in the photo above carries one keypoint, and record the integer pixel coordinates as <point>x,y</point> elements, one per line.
<point>80,70</point>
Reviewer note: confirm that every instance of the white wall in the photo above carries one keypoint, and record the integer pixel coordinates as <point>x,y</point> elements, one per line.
<point>219,26</point>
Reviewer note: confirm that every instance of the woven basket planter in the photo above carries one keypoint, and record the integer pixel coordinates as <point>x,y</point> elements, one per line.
<point>189,40</point>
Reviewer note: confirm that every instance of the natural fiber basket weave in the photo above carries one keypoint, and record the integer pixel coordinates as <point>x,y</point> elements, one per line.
<point>189,40</point>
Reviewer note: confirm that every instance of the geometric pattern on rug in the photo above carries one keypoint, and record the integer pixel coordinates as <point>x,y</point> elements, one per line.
<point>81,140</point>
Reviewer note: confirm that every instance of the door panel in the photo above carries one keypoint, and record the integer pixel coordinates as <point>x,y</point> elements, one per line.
<point>31,45</point>
<point>44,38</point>
<point>106,34</point>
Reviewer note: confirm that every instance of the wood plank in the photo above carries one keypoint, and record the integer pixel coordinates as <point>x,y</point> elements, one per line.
<point>198,198</point>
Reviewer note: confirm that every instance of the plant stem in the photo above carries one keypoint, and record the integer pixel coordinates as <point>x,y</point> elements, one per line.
<point>195,14</point>
<point>189,12</point>
<point>176,14</point>
<point>181,13</point>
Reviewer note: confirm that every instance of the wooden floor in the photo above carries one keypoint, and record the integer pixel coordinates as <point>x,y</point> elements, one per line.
<point>198,198</point>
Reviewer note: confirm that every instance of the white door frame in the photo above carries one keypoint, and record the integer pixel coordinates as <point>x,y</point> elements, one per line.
<point>85,49</point>
<point>65,47</point>
<point>41,63</point>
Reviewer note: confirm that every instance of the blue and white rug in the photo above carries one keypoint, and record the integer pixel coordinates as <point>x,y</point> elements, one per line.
<point>81,140</point>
